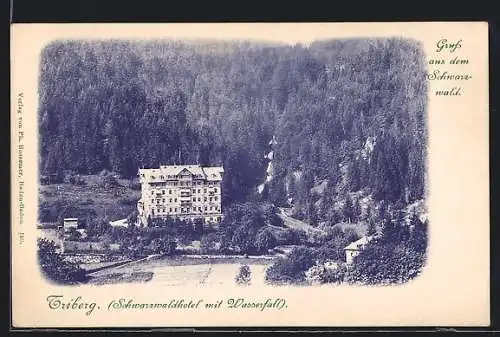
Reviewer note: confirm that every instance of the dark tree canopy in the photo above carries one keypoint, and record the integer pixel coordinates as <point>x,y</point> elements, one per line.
<point>121,105</point>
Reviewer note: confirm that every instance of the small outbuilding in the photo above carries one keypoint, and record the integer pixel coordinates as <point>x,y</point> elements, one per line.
<point>69,223</point>
<point>354,248</point>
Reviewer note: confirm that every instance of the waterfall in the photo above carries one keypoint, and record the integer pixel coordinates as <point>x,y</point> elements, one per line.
<point>269,170</point>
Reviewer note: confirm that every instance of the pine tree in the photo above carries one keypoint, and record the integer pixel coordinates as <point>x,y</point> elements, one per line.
<point>372,228</point>
<point>348,209</point>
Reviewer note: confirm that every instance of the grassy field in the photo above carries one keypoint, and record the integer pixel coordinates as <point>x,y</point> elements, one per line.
<point>115,202</point>
<point>175,271</point>
<point>49,234</point>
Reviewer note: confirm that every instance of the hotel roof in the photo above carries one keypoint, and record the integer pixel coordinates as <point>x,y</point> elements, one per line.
<point>165,172</point>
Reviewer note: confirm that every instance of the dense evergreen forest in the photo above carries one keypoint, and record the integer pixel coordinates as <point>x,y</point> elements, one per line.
<point>335,118</point>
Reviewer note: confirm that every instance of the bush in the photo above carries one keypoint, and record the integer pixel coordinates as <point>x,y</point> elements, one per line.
<point>244,275</point>
<point>334,275</point>
<point>162,246</point>
<point>317,238</point>
<point>333,249</point>
<point>291,269</point>
<point>74,235</point>
<point>209,243</point>
<point>55,267</point>
<point>87,202</point>
<point>71,177</point>
<point>107,180</point>
<point>264,241</point>
<point>386,264</point>
<point>293,236</point>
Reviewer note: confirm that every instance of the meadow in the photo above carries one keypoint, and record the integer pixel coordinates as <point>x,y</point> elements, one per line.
<point>91,199</point>
<point>183,270</point>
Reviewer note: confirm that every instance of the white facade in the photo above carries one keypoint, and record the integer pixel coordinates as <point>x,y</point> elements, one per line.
<point>186,192</point>
<point>70,223</point>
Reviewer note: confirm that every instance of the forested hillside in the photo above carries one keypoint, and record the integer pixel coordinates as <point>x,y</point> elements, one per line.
<point>346,116</point>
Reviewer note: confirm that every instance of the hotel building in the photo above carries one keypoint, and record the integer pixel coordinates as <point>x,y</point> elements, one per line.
<point>186,192</point>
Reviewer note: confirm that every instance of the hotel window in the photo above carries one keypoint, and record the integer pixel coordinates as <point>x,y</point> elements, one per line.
<point>153,192</point>
<point>199,199</point>
<point>163,209</point>
<point>215,198</point>
<point>205,199</point>
<point>206,208</point>
<point>163,200</point>
<point>204,190</point>
<point>194,199</point>
<point>194,190</point>
<point>175,210</point>
<point>170,200</point>
<point>199,208</point>
<point>211,199</point>
<point>199,191</point>
<point>170,209</point>
<point>152,201</point>
<point>163,192</point>
<point>215,189</point>
<point>175,199</point>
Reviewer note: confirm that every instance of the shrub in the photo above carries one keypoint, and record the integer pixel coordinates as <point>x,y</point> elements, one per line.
<point>291,269</point>
<point>87,202</point>
<point>334,275</point>
<point>293,236</point>
<point>244,275</point>
<point>55,267</point>
<point>209,243</point>
<point>107,180</point>
<point>264,241</point>
<point>162,246</point>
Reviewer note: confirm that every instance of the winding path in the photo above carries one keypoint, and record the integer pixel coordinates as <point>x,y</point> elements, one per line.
<point>295,223</point>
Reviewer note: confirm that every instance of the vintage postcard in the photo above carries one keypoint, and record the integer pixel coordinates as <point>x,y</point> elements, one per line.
<point>263,174</point>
